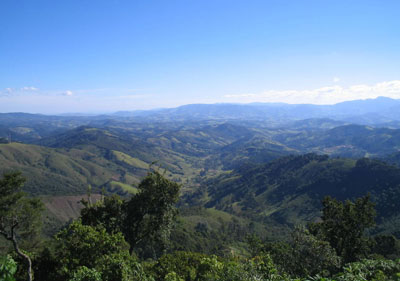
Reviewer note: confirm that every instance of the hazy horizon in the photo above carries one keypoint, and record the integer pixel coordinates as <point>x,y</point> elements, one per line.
<point>94,113</point>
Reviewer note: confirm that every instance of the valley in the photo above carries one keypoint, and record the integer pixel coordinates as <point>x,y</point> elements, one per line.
<point>244,166</point>
<point>254,174</point>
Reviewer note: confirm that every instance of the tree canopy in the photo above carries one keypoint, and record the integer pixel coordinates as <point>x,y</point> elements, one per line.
<point>145,218</point>
<point>20,217</point>
<point>343,226</point>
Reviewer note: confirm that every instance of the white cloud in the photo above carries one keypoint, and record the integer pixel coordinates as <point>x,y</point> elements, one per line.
<point>5,92</point>
<point>323,95</point>
<point>67,93</point>
<point>336,79</point>
<point>31,88</point>
<point>18,91</point>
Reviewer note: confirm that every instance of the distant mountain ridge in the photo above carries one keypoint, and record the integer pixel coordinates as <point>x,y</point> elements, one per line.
<point>386,108</point>
<point>379,112</point>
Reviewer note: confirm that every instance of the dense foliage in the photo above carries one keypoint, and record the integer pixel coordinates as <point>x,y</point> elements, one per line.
<point>98,246</point>
<point>145,219</point>
<point>8,267</point>
<point>343,226</point>
<point>20,217</point>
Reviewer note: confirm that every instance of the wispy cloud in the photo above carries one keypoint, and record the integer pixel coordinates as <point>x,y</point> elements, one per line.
<point>67,93</point>
<point>104,92</point>
<point>109,90</point>
<point>35,100</point>
<point>6,92</point>
<point>18,91</point>
<point>323,95</point>
<point>31,88</point>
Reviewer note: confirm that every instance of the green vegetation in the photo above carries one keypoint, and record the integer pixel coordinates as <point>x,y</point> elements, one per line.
<point>126,188</point>
<point>82,246</point>
<point>343,226</point>
<point>114,239</point>
<point>289,190</point>
<point>134,162</point>
<point>19,217</point>
<point>144,218</point>
<point>8,267</point>
<point>252,205</point>
<point>56,171</point>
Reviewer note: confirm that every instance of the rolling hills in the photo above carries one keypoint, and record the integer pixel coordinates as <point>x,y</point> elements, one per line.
<point>59,171</point>
<point>250,163</point>
<point>289,190</point>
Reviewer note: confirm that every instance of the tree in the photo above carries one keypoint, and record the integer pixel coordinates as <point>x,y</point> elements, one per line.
<point>89,251</point>
<point>150,213</point>
<point>311,256</point>
<point>146,217</point>
<point>189,266</point>
<point>108,212</point>
<point>86,274</point>
<point>343,225</point>
<point>18,214</point>
<point>387,246</point>
<point>377,270</point>
<point>303,256</point>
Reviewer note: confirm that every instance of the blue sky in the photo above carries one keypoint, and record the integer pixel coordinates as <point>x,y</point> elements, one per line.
<point>104,56</point>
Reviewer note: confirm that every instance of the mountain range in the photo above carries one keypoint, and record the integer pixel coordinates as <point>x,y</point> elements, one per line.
<point>266,164</point>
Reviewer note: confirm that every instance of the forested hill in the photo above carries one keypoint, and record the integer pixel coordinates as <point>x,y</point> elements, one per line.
<point>289,190</point>
<point>348,140</point>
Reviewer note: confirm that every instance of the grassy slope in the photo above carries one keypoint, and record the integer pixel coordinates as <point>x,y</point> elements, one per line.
<point>125,149</point>
<point>60,171</point>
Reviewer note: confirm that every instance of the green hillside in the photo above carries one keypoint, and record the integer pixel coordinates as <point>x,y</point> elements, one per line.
<point>60,171</point>
<point>289,190</point>
<point>347,141</point>
<point>117,144</point>
<point>90,156</point>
